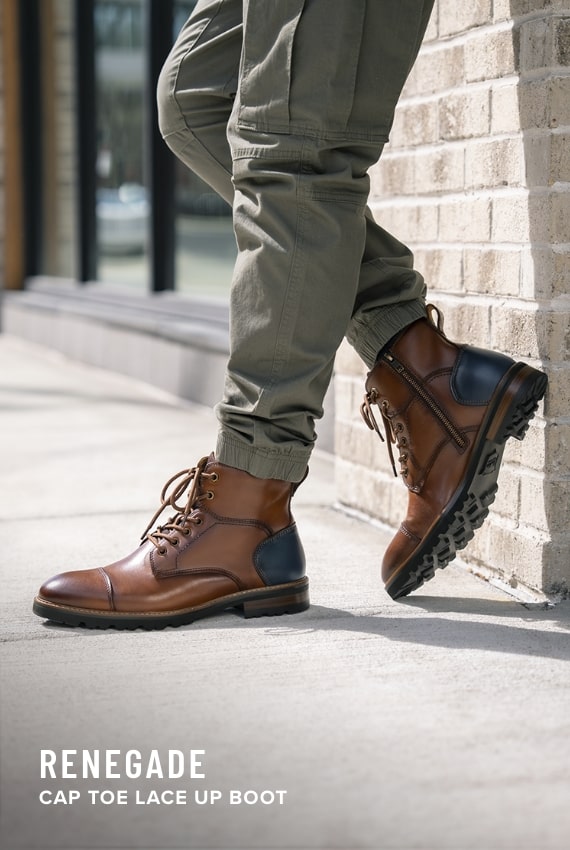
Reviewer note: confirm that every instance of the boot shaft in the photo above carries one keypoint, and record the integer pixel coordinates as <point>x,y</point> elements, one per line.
<point>236,495</point>
<point>432,395</point>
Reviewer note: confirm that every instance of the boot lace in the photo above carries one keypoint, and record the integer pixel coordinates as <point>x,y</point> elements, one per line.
<point>187,479</point>
<point>393,429</point>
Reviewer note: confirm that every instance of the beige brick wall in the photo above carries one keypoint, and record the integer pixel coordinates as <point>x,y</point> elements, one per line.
<point>476,179</point>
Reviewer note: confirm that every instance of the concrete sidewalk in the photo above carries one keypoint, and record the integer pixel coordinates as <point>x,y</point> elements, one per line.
<point>439,722</point>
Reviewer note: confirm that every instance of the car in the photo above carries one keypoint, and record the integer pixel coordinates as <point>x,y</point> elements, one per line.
<point>123,217</point>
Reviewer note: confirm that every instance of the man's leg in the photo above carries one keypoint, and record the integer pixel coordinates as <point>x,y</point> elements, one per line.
<point>196,94</point>
<point>303,135</point>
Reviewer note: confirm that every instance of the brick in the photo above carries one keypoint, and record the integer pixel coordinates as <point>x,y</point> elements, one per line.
<point>441,268</point>
<point>544,503</point>
<point>531,452</point>
<point>490,55</point>
<point>560,216</point>
<point>465,114</point>
<point>514,331</point>
<point>394,176</point>
<point>545,271</point>
<point>518,554</point>
<point>364,490</point>
<point>457,17</point>
<point>439,170</point>
<point>465,321</point>
<point>536,45</point>
<point>537,272</point>
<point>525,7</point>
<point>353,443</point>
<point>559,158</point>
<point>507,501</point>
<point>416,124</point>
<point>555,575</point>
<point>505,109</point>
<point>494,162</point>
<point>546,217</point>
<point>493,271</point>
<point>437,70</point>
<point>557,447</point>
<point>533,508</point>
<point>557,399</point>
<point>559,98</point>
<point>537,334</point>
<point>562,41</point>
<point>465,220</point>
<point>561,271</point>
<point>534,99</point>
<point>502,10</point>
<point>511,219</point>
<point>416,222</point>
<point>537,159</point>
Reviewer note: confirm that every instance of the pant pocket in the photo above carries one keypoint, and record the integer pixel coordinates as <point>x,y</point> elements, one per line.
<point>300,65</point>
<point>266,63</point>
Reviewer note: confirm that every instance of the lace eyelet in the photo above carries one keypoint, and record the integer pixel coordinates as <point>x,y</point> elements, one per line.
<point>404,441</point>
<point>399,426</point>
<point>209,494</point>
<point>198,520</point>
<point>175,541</point>
<point>162,550</point>
<point>185,532</point>
<point>214,477</point>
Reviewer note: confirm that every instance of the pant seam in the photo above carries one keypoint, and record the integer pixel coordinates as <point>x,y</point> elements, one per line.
<point>184,56</point>
<point>287,314</point>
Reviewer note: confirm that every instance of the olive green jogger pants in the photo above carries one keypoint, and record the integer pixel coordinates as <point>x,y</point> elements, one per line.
<point>282,106</point>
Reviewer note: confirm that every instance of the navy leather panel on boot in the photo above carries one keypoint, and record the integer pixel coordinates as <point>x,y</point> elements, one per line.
<point>280,558</point>
<point>477,373</point>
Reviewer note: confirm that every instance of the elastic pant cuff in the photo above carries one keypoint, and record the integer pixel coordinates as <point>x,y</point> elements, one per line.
<point>263,463</point>
<point>368,337</point>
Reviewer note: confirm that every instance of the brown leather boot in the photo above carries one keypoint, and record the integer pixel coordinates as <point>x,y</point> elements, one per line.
<point>449,410</point>
<point>233,544</point>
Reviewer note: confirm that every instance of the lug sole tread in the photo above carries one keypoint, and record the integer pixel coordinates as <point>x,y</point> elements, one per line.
<point>457,528</point>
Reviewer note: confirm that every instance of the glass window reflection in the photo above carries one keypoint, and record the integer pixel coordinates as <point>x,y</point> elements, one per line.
<point>122,203</point>
<point>205,242</point>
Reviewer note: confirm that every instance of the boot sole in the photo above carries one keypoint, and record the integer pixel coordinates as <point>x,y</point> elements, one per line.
<point>288,598</point>
<point>510,411</point>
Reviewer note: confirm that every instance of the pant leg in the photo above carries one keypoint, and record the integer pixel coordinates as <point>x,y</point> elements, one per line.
<point>196,93</point>
<point>289,312</point>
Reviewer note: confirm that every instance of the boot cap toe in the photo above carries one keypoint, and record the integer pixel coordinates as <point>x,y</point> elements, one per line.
<point>78,589</point>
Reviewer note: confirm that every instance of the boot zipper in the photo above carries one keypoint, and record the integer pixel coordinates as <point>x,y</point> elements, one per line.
<point>426,398</point>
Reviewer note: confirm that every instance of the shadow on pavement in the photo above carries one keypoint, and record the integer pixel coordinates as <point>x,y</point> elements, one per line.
<point>449,633</point>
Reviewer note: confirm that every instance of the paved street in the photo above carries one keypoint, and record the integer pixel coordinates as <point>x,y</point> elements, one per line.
<point>437,723</point>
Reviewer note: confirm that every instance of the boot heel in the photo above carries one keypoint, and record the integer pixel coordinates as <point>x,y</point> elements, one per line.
<point>526,407</point>
<point>526,390</point>
<point>290,600</point>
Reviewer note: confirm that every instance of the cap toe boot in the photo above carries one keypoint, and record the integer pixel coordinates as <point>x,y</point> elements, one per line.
<point>232,544</point>
<point>448,410</point>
